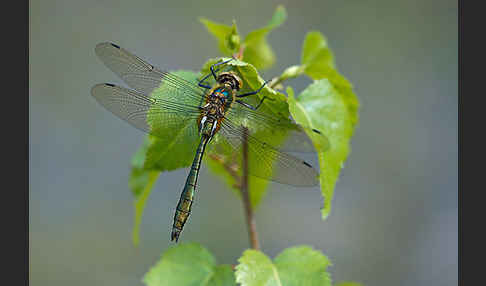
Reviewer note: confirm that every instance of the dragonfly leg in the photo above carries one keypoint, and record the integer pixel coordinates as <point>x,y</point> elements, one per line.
<point>213,73</point>
<point>253,92</point>
<point>217,64</point>
<point>201,83</point>
<point>251,106</point>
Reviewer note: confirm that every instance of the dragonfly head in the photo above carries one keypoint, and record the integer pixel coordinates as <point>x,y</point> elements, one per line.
<point>231,79</point>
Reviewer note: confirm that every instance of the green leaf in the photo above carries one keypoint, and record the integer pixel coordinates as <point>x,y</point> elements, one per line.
<point>141,183</point>
<point>322,107</point>
<point>330,105</point>
<point>167,153</point>
<point>316,57</point>
<point>257,50</point>
<point>318,63</point>
<point>227,36</point>
<point>278,18</point>
<point>255,269</point>
<point>140,201</point>
<point>348,283</point>
<point>189,264</point>
<point>314,44</point>
<point>300,265</point>
<point>138,178</point>
<point>275,102</point>
<point>345,89</point>
<point>223,275</point>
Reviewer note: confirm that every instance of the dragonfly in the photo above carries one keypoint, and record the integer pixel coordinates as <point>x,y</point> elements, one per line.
<point>214,117</point>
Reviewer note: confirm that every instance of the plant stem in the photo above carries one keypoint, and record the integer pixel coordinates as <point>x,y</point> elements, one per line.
<point>290,72</point>
<point>250,220</point>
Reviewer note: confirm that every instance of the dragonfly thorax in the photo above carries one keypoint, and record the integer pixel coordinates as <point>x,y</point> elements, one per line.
<point>218,101</point>
<point>212,113</point>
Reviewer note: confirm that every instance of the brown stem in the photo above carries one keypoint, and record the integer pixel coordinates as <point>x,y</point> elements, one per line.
<point>250,220</point>
<point>230,167</point>
<point>239,54</point>
<point>242,184</point>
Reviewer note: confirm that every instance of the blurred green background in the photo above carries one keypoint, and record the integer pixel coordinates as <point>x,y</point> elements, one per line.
<point>394,218</point>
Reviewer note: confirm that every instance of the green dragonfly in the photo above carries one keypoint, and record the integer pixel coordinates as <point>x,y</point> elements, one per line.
<point>163,104</point>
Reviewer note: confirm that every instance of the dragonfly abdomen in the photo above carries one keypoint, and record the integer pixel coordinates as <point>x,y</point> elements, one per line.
<point>183,209</point>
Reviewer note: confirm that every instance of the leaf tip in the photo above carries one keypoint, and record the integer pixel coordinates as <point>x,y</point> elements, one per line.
<point>324,214</point>
<point>203,20</point>
<point>281,9</point>
<point>279,16</point>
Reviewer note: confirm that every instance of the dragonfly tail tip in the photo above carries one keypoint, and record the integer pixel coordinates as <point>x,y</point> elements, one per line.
<point>175,235</point>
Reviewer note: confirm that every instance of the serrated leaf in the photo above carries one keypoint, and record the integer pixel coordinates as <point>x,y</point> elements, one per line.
<point>314,43</point>
<point>300,265</point>
<point>227,36</point>
<point>255,269</point>
<point>345,89</point>
<point>322,107</point>
<point>316,57</point>
<point>317,62</point>
<point>257,50</point>
<point>189,264</point>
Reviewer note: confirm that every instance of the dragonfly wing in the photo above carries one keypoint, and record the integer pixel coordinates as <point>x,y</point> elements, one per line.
<point>156,116</point>
<point>297,137</point>
<point>265,161</point>
<point>143,76</point>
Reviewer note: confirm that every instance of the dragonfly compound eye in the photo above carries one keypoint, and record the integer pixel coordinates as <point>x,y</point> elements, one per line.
<point>232,79</point>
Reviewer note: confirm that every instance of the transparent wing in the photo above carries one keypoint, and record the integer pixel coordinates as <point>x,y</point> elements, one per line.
<point>156,116</point>
<point>265,161</point>
<point>297,138</point>
<point>143,76</point>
